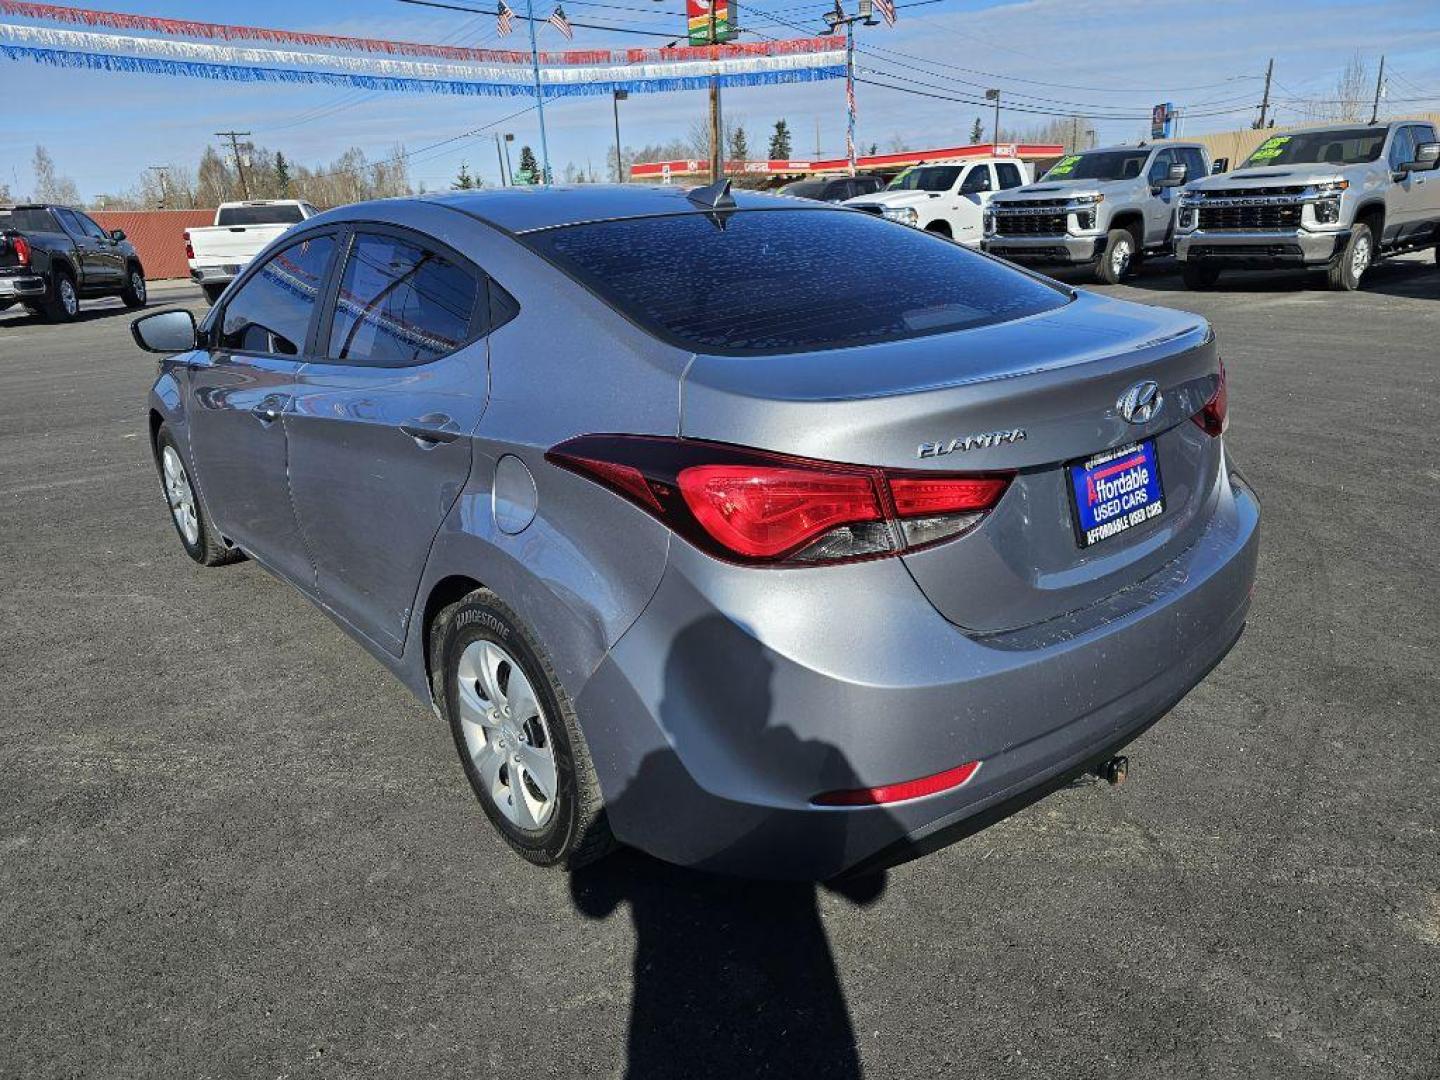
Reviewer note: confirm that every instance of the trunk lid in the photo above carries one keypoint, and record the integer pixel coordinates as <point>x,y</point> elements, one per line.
<point>1057,377</point>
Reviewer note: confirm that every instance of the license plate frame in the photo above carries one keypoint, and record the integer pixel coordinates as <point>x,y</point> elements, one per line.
<point>1141,501</point>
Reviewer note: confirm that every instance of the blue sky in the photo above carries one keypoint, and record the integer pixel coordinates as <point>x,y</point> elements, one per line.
<point>1115,56</point>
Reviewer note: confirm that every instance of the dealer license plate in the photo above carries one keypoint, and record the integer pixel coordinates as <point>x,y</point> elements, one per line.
<point>1116,491</point>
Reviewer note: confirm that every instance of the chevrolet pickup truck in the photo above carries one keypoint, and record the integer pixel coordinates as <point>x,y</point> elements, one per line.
<point>241,231</point>
<point>1337,197</point>
<point>51,256</point>
<point>948,199</point>
<point>1104,209</point>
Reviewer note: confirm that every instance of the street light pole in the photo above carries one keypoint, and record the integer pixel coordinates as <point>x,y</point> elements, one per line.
<point>994,95</point>
<point>539,94</point>
<point>617,97</point>
<point>509,168</point>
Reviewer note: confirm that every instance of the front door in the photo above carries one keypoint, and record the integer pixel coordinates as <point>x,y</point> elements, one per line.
<point>974,195</point>
<point>379,434</point>
<point>241,393</point>
<point>1160,207</point>
<point>108,254</point>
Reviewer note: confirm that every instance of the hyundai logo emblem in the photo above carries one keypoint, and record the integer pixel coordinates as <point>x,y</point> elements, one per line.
<point>1140,402</point>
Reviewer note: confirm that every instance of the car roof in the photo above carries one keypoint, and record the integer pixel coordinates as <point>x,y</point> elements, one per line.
<point>1341,125</point>
<point>525,209</point>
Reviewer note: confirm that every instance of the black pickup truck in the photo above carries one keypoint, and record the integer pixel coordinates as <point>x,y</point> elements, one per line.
<point>51,256</point>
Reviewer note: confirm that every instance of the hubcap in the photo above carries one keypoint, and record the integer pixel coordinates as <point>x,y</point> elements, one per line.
<point>137,285</point>
<point>180,496</point>
<point>1120,258</point>
<point>67,296</point>
<point>506,735</point>
<point>1360,257</point>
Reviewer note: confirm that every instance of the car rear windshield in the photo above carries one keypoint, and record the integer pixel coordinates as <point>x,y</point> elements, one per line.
<point>1343,146</point>
<point>259,215</point>
<point>1101,165</point>
<point>27,219</point>
<point>773,281</point>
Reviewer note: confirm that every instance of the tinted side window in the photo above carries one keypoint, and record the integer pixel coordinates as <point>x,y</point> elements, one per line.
<point>70,222</point>
<point>91,229</point>
<point>976,180</point>
<point>1160,167</point>
<point>1194,161</point>
<point>1402,147</point>
<point>400,303</point>
<point>271,312</point>
<point>1009,176</point>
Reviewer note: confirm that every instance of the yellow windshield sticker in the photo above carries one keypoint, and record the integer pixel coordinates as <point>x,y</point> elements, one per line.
<point>1272,147</point>
<point>1064,166</point>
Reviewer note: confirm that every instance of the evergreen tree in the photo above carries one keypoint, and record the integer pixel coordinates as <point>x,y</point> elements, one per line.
<point>463,180</point>
<point>739,145</point>
<point>529,168</point>
<point>977,131</point>
<point>282,175</point>
<point>780,142</point>
<point>874,148</point>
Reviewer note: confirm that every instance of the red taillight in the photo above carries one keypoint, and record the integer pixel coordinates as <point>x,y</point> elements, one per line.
<point>1215,416</point>
<point>893,793</point>
<point>189,248</point>
<point>755,507</point>
<point>22,250</point>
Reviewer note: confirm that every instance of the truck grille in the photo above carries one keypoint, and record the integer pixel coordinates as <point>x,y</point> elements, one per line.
<point>1250,218</point>
<point>1029,224</point>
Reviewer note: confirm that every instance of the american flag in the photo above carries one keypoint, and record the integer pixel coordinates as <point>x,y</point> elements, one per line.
<point>560,22</point>
<point>886,8</point>
<point>503,18</point>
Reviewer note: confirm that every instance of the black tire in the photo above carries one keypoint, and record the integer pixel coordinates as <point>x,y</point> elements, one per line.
<point>1344,272</point>
<point>133,295</point>
<point>63,302</point>
<point>940,228</point>
<point>576,832</point>
<point>212,293</point>
<point>207,547</point>
<point>1120,254</point>
<point>1199,276</point>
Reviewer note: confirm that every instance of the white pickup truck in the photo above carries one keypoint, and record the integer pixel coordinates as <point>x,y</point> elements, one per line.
<point>241,231</point>
<point>948,198</point>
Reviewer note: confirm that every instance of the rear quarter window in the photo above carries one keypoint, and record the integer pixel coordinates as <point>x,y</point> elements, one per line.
<point>777,281</point>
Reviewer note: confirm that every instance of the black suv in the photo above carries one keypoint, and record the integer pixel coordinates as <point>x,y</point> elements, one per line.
<point>51,256</point>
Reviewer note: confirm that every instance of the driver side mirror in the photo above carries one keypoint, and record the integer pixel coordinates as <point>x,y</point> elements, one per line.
<point>1177,176</point>
<point>1427,154</point>
<point>117,235</point>
<point>1220,165</point>
<point>165,332</point>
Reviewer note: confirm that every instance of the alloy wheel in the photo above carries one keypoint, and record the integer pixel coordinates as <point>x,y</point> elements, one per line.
<point>507,735</point>
<point>180,495</point>
<point>68,299</point>
<point>1120,259</point>
<point>137,285</point>
<point>1360,257</point>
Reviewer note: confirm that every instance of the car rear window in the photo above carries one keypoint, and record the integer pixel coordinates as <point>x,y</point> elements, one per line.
<point>259,215</point>
<point>27,219</point>
<point>775,281</point>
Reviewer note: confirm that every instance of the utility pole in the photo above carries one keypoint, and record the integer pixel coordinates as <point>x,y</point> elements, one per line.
<point>833,21</point>
<point>1265,100</point>
<point>539,95</point>
<point>163,172</point>
<point>617,97</point>
<point>509,168</point>
<point>1379,85</point>
<point>717,150</point>
<point>994,95</point>
<point>500,159</point>
<point>234,137</point>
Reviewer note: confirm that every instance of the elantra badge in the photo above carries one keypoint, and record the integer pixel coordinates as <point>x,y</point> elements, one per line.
<point>983,441</point>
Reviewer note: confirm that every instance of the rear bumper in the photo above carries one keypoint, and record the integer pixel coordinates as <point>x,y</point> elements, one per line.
<point>1260,249</point>
<point>21,287</point>
<point>215,274</point>
<point>738,696</point>
<point>1058,250</point>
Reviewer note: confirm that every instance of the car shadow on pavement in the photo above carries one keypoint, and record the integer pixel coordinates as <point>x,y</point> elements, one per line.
<point>21,317</point>
<point>1412,279</point>
<point>732,978</point>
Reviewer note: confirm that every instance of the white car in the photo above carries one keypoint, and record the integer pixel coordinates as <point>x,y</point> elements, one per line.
<point>241,231</point>
<point>948,198</point>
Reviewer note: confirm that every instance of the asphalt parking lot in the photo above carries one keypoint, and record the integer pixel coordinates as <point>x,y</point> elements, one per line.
<point>231,845</point>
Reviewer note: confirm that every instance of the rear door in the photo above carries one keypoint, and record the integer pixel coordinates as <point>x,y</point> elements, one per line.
<point>379,436</point>
<point>240,392</point>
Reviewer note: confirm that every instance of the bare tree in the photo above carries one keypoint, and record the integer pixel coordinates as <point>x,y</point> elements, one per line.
<point>49,187</point>
<point>1350,100</point>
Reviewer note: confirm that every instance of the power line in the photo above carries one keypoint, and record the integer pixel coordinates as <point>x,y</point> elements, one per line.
<point>525,18</point>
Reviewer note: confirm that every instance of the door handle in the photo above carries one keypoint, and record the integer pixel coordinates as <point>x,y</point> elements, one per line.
<point>269,410</point>
<point>432,429</point>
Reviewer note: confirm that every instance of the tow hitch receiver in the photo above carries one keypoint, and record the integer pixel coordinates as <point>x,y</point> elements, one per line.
<point>1113,771</point>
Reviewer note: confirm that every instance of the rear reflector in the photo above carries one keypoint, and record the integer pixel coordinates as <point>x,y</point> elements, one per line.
<point>893,793</point>
<point>22,250</point>
<point>759,508</point>
<point>1215,416</point>
<point>189,248</point>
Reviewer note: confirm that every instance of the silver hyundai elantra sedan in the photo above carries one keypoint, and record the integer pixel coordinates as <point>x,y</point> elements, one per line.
<point>765,536</point>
